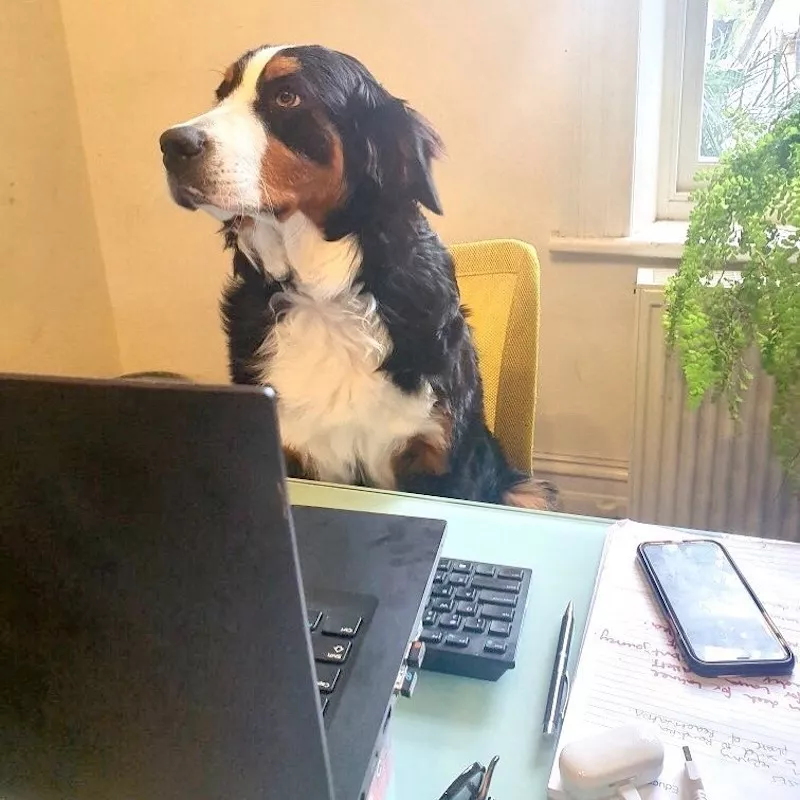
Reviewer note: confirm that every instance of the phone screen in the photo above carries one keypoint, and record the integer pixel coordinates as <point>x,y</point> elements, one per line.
<point>718,616</point>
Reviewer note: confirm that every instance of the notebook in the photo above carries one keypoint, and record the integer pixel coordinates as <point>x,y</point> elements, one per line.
<point>743,732</point>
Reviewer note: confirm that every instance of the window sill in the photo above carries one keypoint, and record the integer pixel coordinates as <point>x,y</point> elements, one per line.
<point>661,241</point>
<point>657,278</point>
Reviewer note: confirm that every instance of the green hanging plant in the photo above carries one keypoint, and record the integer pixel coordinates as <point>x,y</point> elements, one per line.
<point>745,220</point>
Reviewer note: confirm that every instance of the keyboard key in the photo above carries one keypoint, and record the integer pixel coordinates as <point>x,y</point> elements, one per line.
<point>341,624</point>
<point>474,625</point>
<point>444,563</point>
<point>457,640</point>
<point>458,579</point>
<point>510,574</point>
<point>431,637</point>
<point>497,612</point>
<point>496,585</point>
<point>439,576</point>
<point>331,651</point>
<point>498,628</point>
<point>442,591</point>
<point>466,608</point>
<point>485,570</point>
<point>442,604</point>
<point>497,599</point>
<point>467,593</point>
<point>313,618</point>
<point>493,646</point>
<point>327,675</point>
<point>452,621</point>
<point>430,618</point>
<point>324,702</point>
<point>462,566</point>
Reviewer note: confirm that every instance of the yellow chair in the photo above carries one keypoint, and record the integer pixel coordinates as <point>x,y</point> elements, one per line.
<point>499,284</point>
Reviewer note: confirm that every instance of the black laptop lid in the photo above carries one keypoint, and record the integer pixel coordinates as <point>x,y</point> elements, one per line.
<point>153,642</point>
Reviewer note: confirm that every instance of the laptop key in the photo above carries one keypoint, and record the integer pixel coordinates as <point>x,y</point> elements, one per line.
<point>458,579</point>
<point>313,618</point>
<point>474,625</point>
<point>497,599</point>
<point>493,646</point>
<point>457,640</point>
<point>442,604</point>
<point>452,621</point>
<point>442,591</point>
<point>497,628</point>
<point>497,612</point>
<point>439,576</point>
<point>341,624</point>
<point>431,637</point>
<point>510,573</point>
<point>430,619</point>
<point>467,593</point>
<point>331,651</point>
<point>444,563</point>
<point>496,585</point>
<point>466,608</point>
<point>462,566</point>
<point>327,675</point>
<point>485,570</point>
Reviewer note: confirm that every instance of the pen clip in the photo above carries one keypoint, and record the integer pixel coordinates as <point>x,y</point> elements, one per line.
<point>563,696</point>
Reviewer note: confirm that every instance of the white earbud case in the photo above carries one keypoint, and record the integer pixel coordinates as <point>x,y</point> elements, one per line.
<point>611,763</point>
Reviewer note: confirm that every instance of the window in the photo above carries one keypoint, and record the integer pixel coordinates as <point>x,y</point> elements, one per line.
<point>730,65</point>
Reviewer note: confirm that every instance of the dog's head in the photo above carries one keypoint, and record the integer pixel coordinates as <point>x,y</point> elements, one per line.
<point>300,129</point>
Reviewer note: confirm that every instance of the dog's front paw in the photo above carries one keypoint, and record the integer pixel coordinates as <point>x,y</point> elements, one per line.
<point>534,494</point>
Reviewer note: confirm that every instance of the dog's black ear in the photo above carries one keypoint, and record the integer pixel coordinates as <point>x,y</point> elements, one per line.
<point>401,145</point>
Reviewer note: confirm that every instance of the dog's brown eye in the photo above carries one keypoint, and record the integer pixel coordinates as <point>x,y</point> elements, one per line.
<point>287,99</point>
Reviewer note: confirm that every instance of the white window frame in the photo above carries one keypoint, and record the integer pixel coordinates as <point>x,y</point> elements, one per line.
<point>686,26</point>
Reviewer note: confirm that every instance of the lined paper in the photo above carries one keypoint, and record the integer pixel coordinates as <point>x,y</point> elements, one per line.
<point>743,732</point>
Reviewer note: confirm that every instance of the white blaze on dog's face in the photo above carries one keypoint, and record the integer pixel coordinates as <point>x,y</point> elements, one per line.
<point>233,160</point>
<point>298,129</point>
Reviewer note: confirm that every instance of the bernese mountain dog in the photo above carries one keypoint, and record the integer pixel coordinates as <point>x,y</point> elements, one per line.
<point>342,298</point>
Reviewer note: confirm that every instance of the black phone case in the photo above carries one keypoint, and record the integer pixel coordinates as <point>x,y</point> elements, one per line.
<point>716,669</point>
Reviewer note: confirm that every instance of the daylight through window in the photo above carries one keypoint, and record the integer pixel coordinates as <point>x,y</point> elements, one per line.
<point>752,60</point>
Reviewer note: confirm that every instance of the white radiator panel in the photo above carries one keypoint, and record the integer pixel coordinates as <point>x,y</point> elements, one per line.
<point>699,469</point>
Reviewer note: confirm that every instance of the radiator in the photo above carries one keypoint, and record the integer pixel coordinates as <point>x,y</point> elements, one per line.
<point>698,468</point>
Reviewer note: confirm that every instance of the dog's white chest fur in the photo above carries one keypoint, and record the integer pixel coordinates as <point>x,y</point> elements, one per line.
<point>322,358</point>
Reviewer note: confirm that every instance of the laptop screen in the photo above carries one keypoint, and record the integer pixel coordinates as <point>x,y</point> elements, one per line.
<point>151,614</point>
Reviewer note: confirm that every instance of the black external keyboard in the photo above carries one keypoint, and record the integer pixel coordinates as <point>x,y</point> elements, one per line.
<point>473,618</point>
<point>337,621</point>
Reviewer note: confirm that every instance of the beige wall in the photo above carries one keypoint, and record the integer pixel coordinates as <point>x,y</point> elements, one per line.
<point>55,311</point>
<point>493,78</point>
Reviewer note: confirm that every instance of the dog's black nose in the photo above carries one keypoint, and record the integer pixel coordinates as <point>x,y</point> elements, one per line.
<point>185,141</point>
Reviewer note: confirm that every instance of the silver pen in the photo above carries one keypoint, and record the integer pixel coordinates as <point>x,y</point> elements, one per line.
<point>559,681</point>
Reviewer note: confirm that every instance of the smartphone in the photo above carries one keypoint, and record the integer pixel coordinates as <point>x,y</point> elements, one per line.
<point>718,622</point>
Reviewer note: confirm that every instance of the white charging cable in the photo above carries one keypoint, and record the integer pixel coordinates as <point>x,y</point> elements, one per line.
<point>693,776</point>
<point>629,792</point>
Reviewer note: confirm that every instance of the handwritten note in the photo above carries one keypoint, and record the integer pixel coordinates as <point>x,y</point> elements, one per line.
<point>744,732</point>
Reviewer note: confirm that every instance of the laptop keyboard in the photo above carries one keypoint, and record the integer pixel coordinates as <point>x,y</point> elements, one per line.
<point>337,621</point>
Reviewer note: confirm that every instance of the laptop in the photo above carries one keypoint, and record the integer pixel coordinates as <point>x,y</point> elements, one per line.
<point>170,629</point>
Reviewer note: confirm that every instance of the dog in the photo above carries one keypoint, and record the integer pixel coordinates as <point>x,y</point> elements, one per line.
<point>342,298</point>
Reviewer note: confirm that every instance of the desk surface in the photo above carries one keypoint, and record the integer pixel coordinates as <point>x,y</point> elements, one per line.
<point>451,722</point>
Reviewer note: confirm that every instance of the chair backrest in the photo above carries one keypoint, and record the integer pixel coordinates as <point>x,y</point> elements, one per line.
<point>499,284</point>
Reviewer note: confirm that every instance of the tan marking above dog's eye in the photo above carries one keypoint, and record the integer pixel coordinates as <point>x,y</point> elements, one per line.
<point>287,99</point>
